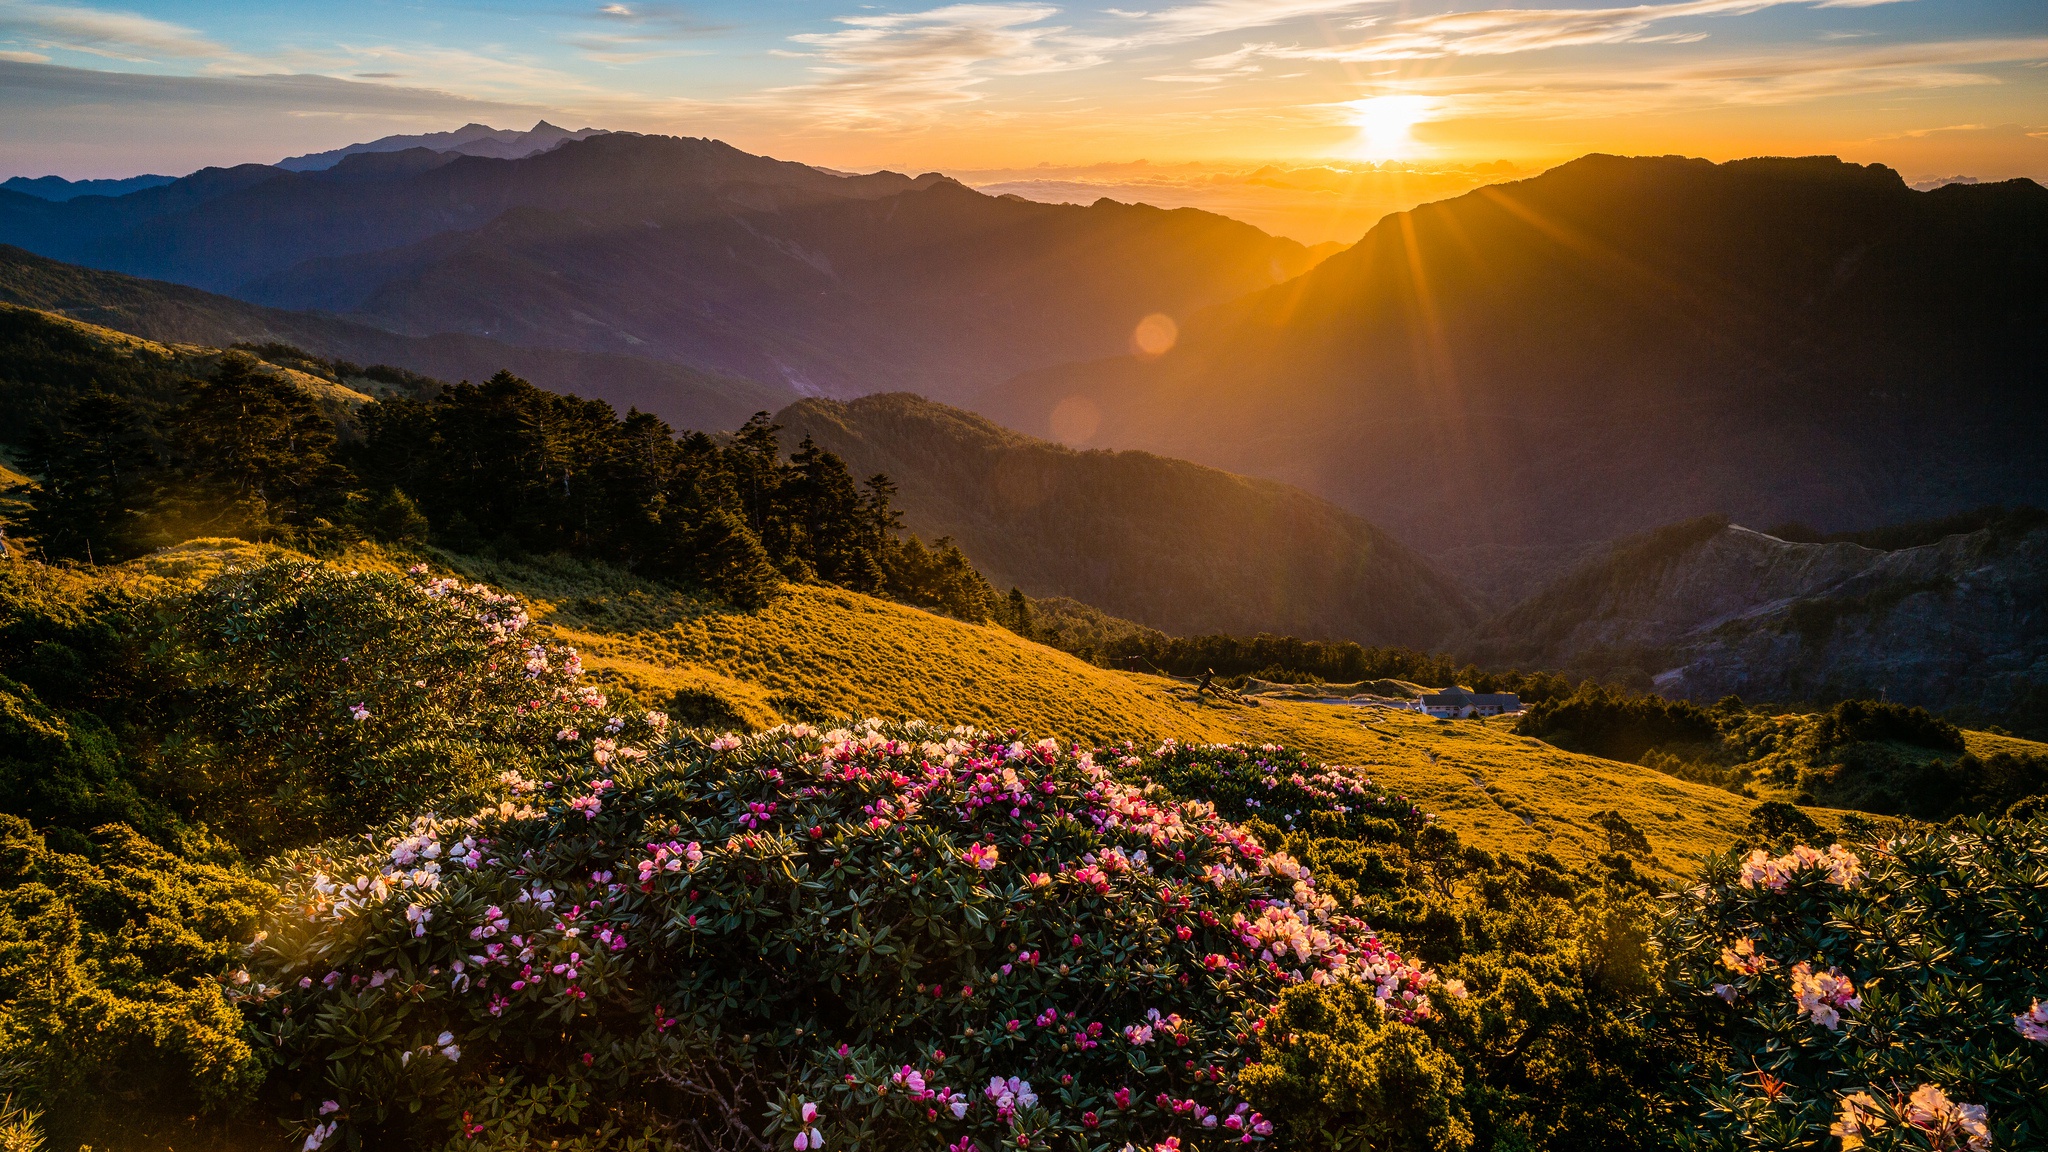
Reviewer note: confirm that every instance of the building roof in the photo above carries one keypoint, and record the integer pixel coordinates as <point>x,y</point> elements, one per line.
<point>1459,698</point>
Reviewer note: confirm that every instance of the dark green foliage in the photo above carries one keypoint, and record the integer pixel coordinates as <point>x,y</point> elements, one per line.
<point>260,676</point>
<point>1777,825</point>
<point>1102,639</point>
<point>1604,722</point>
<point>99,462</point>
<point>939,578</point>
<point>535,471</point>
<point>1855,721</point>
<point>111,959</point>
<point>46,365</point>
<point>257,452</point>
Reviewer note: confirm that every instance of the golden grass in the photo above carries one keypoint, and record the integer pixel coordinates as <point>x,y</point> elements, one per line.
<point>822,651</point>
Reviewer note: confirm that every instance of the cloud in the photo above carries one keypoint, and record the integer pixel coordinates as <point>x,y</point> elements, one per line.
<point>25,57</point>
<point>117,35</point>
<point>87,122</point>
<point>630,33</point>
<point>1213,17</point>
<point>1806,73</point>
<point>1506,31</point>
<point>899,66</point>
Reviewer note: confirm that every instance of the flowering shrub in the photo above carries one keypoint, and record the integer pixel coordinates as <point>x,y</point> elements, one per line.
<point>301,701</point>
<point>1885,994</point>
<point>875,937</point>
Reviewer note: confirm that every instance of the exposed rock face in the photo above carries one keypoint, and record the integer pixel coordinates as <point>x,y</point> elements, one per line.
<point>1708,610</point>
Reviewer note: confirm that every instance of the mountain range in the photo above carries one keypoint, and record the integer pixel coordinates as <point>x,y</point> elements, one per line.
<point>1185,549</point>
<point>680,250</point>
<point>173,314</point>
<point>468,140</point>
<point>1956,620</point>
<point>1508,378</point>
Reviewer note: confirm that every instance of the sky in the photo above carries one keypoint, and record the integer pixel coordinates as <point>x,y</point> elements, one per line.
<point>1328,107</point>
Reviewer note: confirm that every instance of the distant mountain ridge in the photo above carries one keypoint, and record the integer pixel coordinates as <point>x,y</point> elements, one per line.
<point>1506,378</point>
<point>58,188</point>
<point>1173,545</point>
<point>681,250</point>
<point>173,314</point>
<point>469,140</point>
<point>1707,609</point>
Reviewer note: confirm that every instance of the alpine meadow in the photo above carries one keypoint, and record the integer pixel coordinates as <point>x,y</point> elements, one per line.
<point>989,577</point>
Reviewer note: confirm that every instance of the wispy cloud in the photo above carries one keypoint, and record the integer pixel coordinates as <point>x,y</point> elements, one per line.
<point>1767,78</point>
<point>1505,31</point>
<point>903,66</point>
<point>1214,17</point>
<point>116,35</point>
<point>627,33</point>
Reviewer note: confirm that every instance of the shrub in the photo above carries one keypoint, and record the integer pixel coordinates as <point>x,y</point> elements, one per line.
<point>1836,996</point>
<point>881,937</point>
<point>296,700</point>
<point>108,966</point>
<point>1604,722</point>
<point>1853,721</point>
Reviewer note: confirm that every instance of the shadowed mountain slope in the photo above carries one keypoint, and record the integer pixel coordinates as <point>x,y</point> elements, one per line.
<point>1708,609</point>
<point>1504,378</point>
<point>170,313</point>
<point>683,250</point>
<point>1180,547</point>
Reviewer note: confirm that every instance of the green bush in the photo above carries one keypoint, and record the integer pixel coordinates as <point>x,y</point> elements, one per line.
<point>109,967</point>
<point>1854,721</point>
<point>1603,722</point>
<point>1901,964</point>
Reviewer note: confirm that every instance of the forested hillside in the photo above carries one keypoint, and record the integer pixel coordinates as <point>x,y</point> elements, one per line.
<point>174,314</point>
<point>1173,545</point>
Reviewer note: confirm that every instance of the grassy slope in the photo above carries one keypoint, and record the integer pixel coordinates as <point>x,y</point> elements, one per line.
<point>827,651</point>
<point>187,359</point>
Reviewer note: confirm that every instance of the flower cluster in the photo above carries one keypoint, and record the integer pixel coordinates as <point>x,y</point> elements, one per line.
<point>1945,1125</point>
<point>2033,1023</point>
<point>1824,996</point>
<point>890,909</point>
<point>1761,870</point>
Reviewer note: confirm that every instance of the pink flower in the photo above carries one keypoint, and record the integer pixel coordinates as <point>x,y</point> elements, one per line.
<point>2033,1023</point>
<point>982,856</point>
<point>358,713</point>
<point>1823,995</point>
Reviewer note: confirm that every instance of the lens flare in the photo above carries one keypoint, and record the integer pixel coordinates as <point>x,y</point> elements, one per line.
<point>1386,125</point>
<point>1155,335</point>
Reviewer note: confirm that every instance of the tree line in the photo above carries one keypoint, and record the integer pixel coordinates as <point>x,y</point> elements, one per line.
<point>502,464</point>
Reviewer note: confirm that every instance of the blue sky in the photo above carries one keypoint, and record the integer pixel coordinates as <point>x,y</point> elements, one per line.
<point>1931,86</point>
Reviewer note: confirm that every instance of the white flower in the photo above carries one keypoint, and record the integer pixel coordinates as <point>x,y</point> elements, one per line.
<point>318,1136</point>
<point>959,1109</point>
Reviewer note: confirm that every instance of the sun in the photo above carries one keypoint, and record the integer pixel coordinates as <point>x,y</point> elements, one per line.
<point>1385,125</point>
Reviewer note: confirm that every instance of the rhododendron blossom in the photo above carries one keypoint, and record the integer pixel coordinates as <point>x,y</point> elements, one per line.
<point>2033,1023</point>
<point>1824,995</point>
<point>1842,867</point>
<point>674,890</point>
